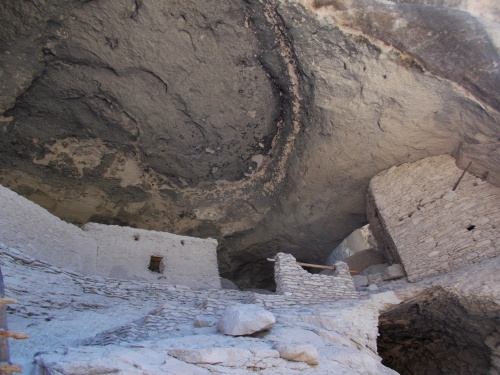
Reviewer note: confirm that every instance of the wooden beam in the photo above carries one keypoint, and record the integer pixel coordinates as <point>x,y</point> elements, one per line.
<point>462,176</point>
<point>315,266</point>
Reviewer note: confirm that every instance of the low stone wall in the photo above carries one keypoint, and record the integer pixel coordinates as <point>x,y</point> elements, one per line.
<point>417,217</point>
<point>106,250</point>
<point>292,280</point>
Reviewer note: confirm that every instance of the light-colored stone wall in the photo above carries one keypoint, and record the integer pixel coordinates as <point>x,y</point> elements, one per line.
<point>25,225</point>
<point>106,250</point>
<point>124,253</point>
<point>434,229</point>
<point>292,280</point>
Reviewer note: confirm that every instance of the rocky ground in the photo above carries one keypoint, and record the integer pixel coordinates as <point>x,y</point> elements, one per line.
<point>83,325</point>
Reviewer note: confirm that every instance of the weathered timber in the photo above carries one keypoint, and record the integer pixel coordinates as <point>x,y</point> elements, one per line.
<point>332,268</point>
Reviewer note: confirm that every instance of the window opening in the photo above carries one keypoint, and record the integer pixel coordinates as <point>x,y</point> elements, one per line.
<point>156,264</point>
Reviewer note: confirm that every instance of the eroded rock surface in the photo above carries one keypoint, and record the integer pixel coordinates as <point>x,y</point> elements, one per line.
<point>133,327</point>
<point>259,123</point>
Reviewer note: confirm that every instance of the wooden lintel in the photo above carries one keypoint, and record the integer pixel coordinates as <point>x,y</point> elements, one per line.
<point>332,268</point>
<point>317,266</point>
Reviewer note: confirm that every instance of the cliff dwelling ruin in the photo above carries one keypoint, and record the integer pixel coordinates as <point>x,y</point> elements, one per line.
<point>320,177</point>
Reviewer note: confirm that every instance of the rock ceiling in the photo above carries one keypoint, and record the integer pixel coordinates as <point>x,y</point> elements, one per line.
<point>259,123</point>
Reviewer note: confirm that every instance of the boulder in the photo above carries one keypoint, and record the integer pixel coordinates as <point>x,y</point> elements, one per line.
<point>365,258</point>
<point>373,269</point>
<point>357,241</point>
<point>240,320</point>
<point>306,353</point>
<point>396,271</point>
<point>360,280</point>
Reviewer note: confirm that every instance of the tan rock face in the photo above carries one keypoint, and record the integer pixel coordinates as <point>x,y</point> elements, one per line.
<point>258,123</point>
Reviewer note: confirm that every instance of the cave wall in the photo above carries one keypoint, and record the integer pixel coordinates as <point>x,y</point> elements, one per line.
<point>436,225</point>
<point>259,123</point>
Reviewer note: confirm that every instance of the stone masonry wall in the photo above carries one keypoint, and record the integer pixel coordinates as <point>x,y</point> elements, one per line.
<point>292,280</point>
<point>125,253</point>
<point>434,229</point>
<point>25,225</point>
<point>377,226</point>
<point>106,250</point>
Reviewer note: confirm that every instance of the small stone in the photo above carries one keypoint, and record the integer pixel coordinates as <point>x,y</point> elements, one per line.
<point>482,220</point>
<point>450,196</point>
<point>433,254</point>
<point>372,287</point>
<point>471,256</point>
<point>204,321</point>
<point>306,353</point>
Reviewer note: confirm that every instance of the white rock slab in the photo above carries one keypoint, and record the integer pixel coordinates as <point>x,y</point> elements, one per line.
<point>240,320</point>
<point>211,355</point>
<point>306,353</point>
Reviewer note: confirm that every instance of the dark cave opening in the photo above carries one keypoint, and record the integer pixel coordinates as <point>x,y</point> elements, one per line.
<point>438,333</point>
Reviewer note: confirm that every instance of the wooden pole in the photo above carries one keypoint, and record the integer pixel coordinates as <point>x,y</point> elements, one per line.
<point>462,176</point>
<point>332,268</point>
<point>316,266</point>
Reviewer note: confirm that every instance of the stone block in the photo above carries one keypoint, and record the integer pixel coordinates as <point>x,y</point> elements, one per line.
<point>306,353</point>
<point>360,280</point>
<point>396,271</point>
